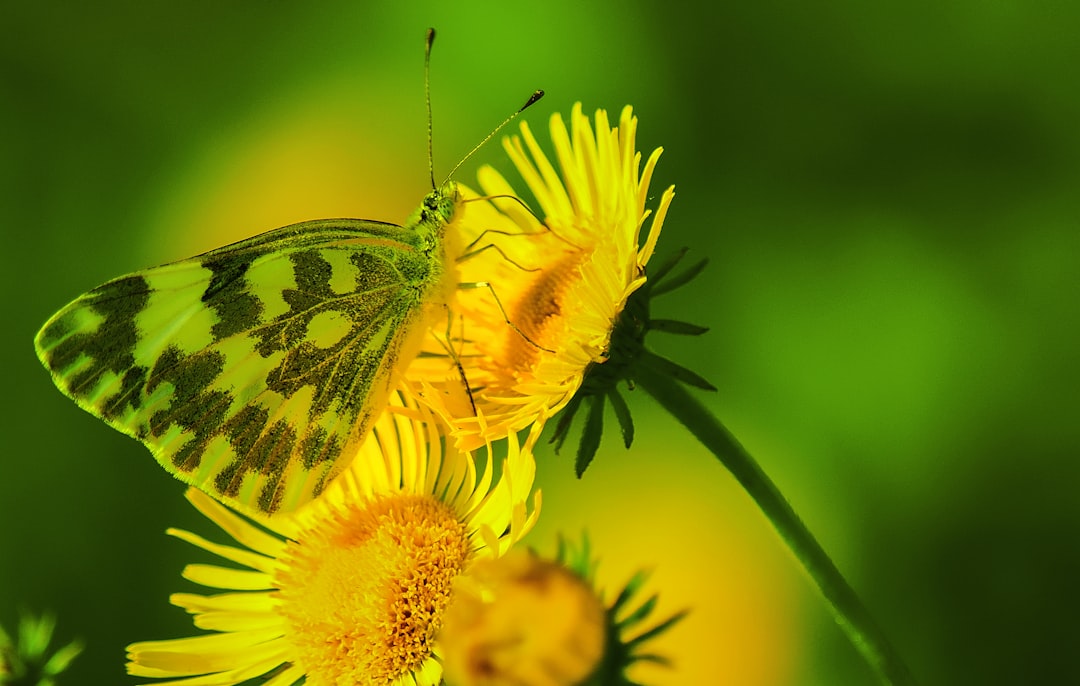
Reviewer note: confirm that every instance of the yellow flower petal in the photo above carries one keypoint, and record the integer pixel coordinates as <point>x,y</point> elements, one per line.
<point>221,577</point>
<point>222,602</point>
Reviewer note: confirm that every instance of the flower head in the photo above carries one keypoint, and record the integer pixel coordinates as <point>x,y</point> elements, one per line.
<point>545,292</point>
<point>522,619</point>
<point>351,588</point>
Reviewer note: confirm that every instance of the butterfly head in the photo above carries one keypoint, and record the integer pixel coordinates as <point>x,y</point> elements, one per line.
<point>430,219</point>
<point>439,204</point>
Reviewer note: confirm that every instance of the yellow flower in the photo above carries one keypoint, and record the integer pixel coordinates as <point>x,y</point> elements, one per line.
<point>557,285</point>
<point>351,588</point>
<point>522,620</point>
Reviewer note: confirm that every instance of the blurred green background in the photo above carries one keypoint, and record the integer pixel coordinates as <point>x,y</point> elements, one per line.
<point>887,193</point>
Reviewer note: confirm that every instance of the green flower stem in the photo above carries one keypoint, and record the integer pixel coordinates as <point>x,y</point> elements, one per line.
<point>846,607</point>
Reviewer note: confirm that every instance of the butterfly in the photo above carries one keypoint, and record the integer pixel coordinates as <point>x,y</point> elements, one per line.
<point>254,371</point>
<point>251,370</point>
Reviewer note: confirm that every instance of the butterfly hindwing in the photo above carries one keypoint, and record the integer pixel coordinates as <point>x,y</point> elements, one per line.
<point>254,371</point>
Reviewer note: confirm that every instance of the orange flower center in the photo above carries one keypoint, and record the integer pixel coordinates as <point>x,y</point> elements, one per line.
<point>363,590</point>
<point>540,311</point>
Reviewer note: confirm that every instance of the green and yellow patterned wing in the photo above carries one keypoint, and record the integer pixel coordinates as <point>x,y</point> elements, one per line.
<point>254,371</point>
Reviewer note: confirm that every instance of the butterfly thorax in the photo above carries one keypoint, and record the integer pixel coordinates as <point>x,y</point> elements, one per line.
<point>438,251</point>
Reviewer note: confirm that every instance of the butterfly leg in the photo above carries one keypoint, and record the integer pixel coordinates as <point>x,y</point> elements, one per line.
<point>496,248</point>
<point>535,217</point>
<point>447,343</point>
<point>502,310</point>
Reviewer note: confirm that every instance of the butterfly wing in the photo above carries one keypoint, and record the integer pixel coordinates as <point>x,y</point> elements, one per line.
<point>252,371</point>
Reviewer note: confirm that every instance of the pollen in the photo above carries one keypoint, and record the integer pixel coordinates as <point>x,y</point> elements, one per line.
<point>364,592</point>
<point>541,312</point>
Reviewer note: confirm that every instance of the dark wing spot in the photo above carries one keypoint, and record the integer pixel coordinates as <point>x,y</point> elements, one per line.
<point>194,407</point>
<point>375,272</point>
<point>130,394</point>
<point>111,348</point>
<point>204,426</point>
<point>54,332</point>
<point>260,449</point>
<point>274,451</point>
<point>318,447</point>
<point>311,295</point>
<point>229,294</point>
<point>312,274</point>
<point>244,431</point>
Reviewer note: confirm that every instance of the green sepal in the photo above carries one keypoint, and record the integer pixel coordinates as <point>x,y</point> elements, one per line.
<point>628,591</point>
<point>622,413</point>
<point>678,372</point>
<point>670,284</point>
<point>590,435</point>
<point>653,658</point>
<point>642,611</point>
<point>676,327</point>
<point>656,275</point>
<point>566,419</point>
<point>626,353</point>
<point>657,630</point>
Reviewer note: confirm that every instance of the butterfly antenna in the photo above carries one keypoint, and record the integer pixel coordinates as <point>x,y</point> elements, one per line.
<point>427,98</point>
<point>529,103</point>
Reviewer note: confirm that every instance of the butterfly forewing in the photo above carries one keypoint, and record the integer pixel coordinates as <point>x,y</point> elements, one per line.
<point>254,371</point>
